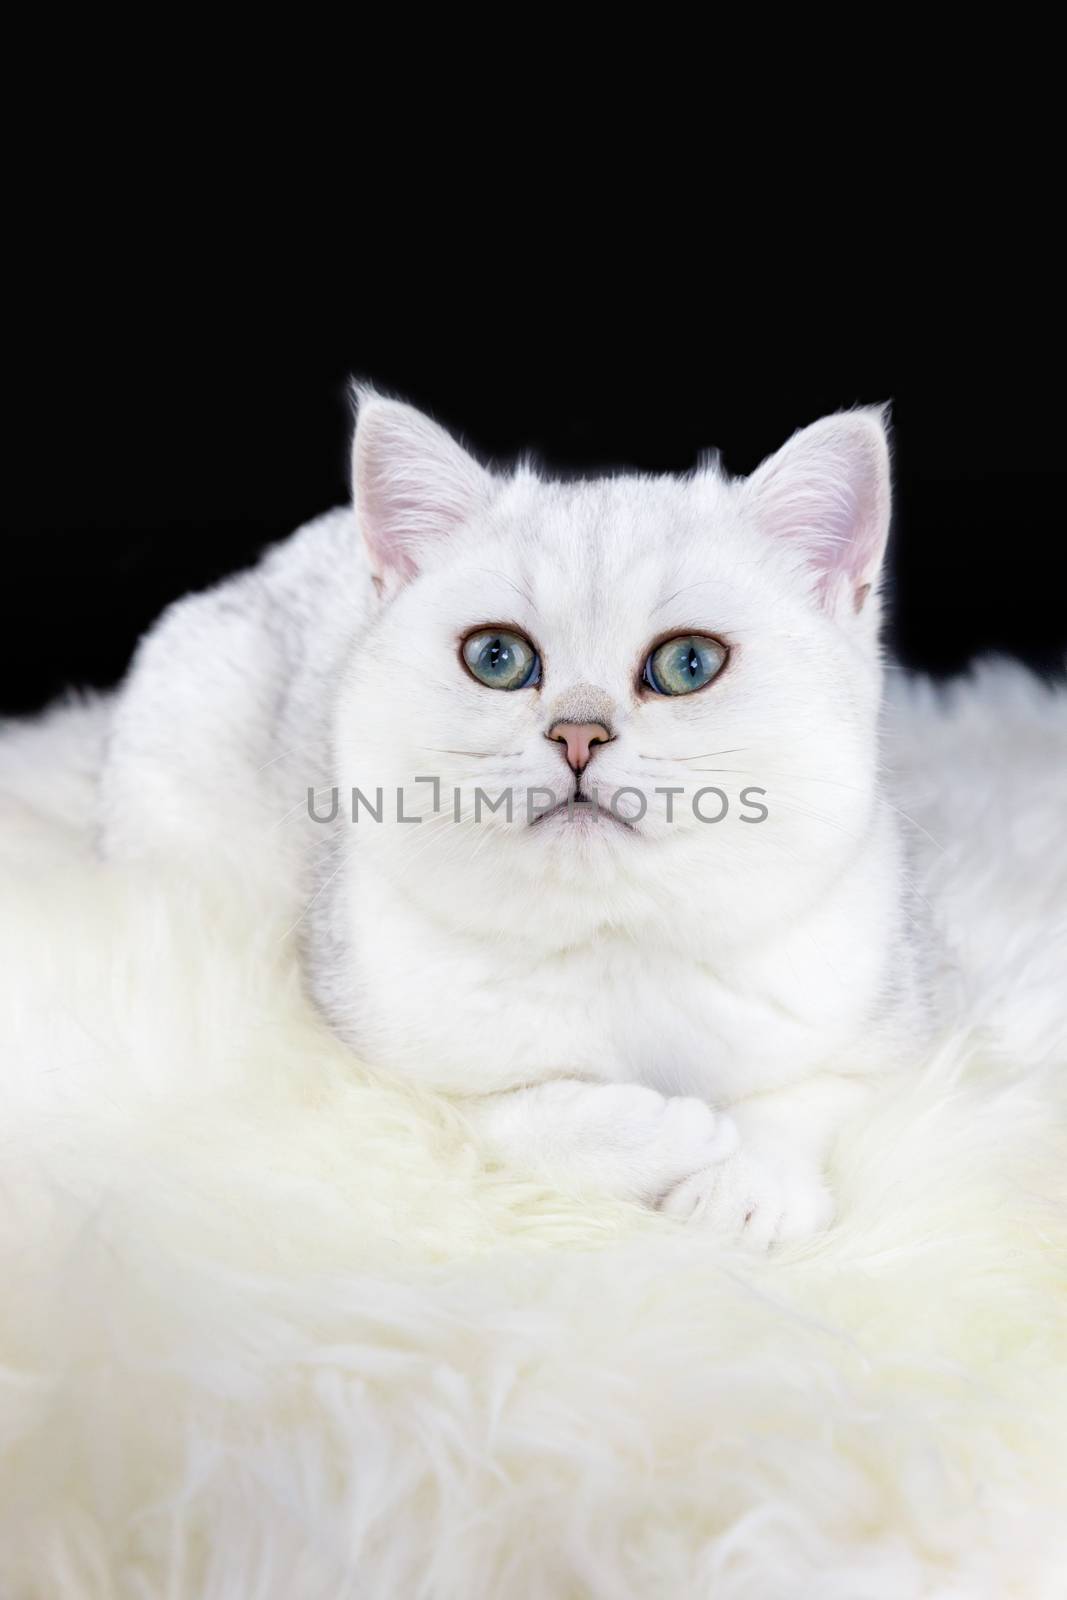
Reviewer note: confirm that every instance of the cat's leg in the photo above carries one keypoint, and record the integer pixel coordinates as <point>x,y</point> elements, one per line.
<point>620,1138</point>
<point>773,1189</point>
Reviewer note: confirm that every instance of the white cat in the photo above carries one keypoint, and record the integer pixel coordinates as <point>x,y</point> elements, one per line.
<point>674,1008</point>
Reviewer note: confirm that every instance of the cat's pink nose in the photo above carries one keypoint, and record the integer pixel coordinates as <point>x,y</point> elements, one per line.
<point>579,738</point>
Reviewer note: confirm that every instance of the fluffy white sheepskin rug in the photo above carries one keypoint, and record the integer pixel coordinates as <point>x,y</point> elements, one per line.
<point>271,1331</point>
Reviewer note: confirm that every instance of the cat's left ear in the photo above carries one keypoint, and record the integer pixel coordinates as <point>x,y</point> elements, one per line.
<point>828,491</point>
<point>412,485</point>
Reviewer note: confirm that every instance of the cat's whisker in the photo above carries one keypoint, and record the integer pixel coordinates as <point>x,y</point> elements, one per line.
<point>284,756</point>
<point>790,804</point>
<point>300,805</point>
<point>422,839</point>
<point>816,816</point>
<point>324,861</point>
<point>447,851</point>
<point>704,769</point>
<point>330,851</point>
<point>707,755</point>
<point>702,583</point>
<point>321,890</point>
<point>799,861</point>
<point>438,750</point>
<point>837,783</point>
<point>522,593</point>
<point>773,774</point>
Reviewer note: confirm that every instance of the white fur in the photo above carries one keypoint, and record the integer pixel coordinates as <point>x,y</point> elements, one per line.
<point>711,963</point>
<point>271,1329</point>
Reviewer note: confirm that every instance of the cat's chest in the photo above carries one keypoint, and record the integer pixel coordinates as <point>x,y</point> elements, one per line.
<point>473,1016</point>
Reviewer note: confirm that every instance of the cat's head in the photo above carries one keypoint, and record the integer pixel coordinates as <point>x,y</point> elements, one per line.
<point>630,635</point>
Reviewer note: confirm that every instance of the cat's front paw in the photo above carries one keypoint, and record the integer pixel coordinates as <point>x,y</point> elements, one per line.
<point>756,1201</point>
<point>624,1137</point>
<point>663,1140</point>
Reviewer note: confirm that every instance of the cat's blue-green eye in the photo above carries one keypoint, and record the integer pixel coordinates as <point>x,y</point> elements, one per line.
<point>682,665</point>
<point>501,659</point>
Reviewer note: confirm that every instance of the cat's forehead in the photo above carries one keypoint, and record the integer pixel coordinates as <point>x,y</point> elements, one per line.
<point>611,513</point>
<point>614,546</point>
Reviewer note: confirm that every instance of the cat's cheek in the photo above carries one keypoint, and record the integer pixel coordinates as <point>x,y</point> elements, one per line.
<point>754,1201</point>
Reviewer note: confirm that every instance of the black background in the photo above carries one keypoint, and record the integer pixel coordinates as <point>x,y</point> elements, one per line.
<point>174,415</point>
<point>617,250</point>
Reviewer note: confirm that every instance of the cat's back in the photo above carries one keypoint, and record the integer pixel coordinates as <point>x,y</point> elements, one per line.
<point>978,771</point>
<point>218,685</point>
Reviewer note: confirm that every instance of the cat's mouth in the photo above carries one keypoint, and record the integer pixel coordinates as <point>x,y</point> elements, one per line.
<point>580,811</point>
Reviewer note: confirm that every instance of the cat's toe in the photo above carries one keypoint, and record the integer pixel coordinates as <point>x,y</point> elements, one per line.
<point>751,1203</point>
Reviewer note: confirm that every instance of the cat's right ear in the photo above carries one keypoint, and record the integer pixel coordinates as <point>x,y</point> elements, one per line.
<point>412,486</point>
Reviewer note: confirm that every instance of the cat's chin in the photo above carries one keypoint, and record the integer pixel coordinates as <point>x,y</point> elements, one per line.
<point>581,817</point>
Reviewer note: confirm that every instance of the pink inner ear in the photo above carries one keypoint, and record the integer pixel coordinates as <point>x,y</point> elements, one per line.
<point>413,485</point>
<point>388,521</point>
<point>827,490</point>
<point>846,540</point>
